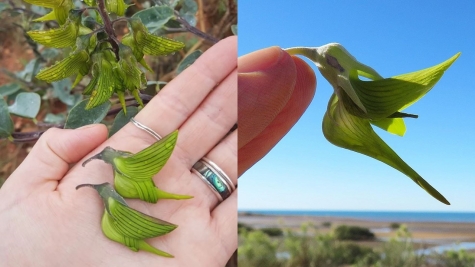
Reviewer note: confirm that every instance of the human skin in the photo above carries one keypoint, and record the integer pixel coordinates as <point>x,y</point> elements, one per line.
<point>45,221</point>
<point>274,91</point>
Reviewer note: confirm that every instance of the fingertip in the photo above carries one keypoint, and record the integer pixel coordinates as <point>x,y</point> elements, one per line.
<point>260,60</point>
<point>306,83</point>
<point>265,83</point>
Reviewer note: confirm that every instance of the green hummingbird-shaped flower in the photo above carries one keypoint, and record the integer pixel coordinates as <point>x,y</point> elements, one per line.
<point>60,10</point>
<point>64,36</point>
<point>128,40</point>
<point>76,62</point>
<point>104,79</point>
<point>150,44</point>
<point>127,226</point>
<point>133,79</point>
<point>133,173</point>
<point>356,104</point>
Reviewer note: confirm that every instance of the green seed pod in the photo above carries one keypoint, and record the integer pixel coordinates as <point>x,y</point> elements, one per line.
<point>134,172</point>
<point>357,104</point>
<point>127,226</point>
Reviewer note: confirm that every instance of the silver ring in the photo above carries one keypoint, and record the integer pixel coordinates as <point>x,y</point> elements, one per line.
<point>145,128</point>
<point>214,177</point>
<point>207,170</point>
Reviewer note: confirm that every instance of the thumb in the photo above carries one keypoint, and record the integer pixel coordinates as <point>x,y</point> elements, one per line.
<point>51,156</point>
<point>266,82</point>
<point>267,133</point>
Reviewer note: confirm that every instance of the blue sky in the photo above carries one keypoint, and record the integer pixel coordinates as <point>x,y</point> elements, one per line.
<point>305,172</point>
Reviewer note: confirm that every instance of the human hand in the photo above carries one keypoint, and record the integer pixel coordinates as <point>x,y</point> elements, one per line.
<point>45,221</point>
<point>274,91</point>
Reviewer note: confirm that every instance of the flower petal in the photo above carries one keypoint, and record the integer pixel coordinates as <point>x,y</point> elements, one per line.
<point>148,162</point>
<point>354,133</point>
<point>391,125</point>
<point>64,68</point>
<point>384,97</point>
<point>135,224</point>
<point>61,37</point>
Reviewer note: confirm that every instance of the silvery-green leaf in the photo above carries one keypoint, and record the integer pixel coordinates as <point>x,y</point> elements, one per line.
<point>6,123</point>
<point>8,89</point>
<point>79,116</point>
<point>26,105</point>
<point>234,29</point>
<point>187,61</point>
<point>188,11</point>
<point>54,118</point>
<point>30,70</point>
<point>156,17</point>
<point>122,119</point>
<point>62,90</point>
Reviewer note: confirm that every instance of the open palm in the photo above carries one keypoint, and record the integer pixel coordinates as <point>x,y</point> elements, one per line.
<point>44,221</point>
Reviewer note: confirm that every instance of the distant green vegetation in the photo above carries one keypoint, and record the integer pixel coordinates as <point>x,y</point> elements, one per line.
<point>304,249</point>
<point>355,233</point>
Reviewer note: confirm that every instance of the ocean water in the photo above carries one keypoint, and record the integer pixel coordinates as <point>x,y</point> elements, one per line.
<point>384,216</point>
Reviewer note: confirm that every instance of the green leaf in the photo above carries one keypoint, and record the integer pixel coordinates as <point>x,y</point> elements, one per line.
<point>8,89</point>
<point>26,105</point>
<point>155,18</point>
<point>187,61</point>
<point>234,29</point>
<point>6,123</point>
<point>188,11</point>
<point>122,119</point>
<point>30,70</point>
<point>79,116</point>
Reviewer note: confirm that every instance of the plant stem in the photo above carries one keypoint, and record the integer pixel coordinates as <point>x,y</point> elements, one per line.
<point>108,27</point>
<point>195,30</point>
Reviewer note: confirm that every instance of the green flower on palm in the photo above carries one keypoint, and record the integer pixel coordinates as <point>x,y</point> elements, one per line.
<point>356,104</point>
<point>127,226</point>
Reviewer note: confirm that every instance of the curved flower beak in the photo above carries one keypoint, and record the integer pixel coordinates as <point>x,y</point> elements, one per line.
<point>356,104</point>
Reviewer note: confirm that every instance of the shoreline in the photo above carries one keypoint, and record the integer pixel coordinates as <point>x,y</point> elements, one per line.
<point>428,233</point>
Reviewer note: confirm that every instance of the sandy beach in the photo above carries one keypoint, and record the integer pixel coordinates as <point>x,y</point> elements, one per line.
<point>426,234</point>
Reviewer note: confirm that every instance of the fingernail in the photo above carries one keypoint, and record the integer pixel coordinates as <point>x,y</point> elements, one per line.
<point>261,60</point>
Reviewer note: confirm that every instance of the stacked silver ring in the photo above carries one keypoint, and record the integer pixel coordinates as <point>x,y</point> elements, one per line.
<point>207,170</point>
<point>214,177</point>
